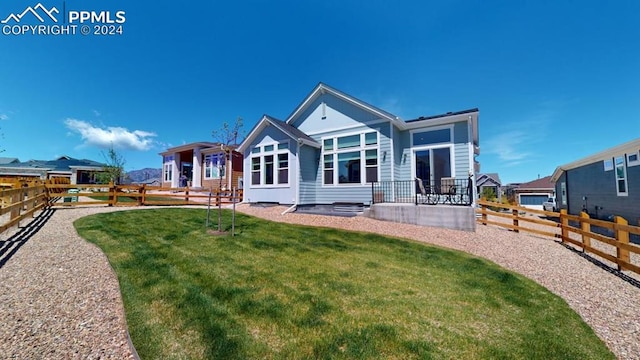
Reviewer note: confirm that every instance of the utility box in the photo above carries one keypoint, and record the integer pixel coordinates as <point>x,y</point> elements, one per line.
<point>72,198</point>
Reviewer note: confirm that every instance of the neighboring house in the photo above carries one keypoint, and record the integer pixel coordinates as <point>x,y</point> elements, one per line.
<point>603,184</point>
<point>203,164</point>
<point>78,171</point>
<point>149,182</point>
<point>333,146</point>
<point>489,181</point>
<point>533,193</point>
<point>8,160</point>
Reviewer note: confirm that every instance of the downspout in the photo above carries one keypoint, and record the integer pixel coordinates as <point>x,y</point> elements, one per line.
<point>472,163</point>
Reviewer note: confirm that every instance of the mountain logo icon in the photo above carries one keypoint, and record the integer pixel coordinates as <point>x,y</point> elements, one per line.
<point>39,11</point>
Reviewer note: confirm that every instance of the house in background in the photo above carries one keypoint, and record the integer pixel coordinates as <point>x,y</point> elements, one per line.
<point>533,193</point>
<point>333,146</point>
<point>489,181</point>
<point>603,184</point>
<point>204,165</point>
<point>78,171</point>
<point>8,160</point>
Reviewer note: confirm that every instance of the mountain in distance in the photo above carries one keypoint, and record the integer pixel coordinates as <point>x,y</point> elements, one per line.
<point>144,174</point>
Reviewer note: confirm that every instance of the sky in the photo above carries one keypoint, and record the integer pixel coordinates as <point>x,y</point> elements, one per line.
<point>555,81</point>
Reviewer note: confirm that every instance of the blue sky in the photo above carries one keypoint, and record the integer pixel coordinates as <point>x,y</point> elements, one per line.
<point>555,81</point>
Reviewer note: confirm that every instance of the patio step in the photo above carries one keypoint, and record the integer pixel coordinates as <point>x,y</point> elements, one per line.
<point>346,207</point>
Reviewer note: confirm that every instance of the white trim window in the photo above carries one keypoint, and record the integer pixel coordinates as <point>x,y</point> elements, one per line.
<point>350,159</point>
<point>214,166</point>
<point>621,176</point>
<point>270,165</point>
<point>167,168</point>
<point>633,159</point>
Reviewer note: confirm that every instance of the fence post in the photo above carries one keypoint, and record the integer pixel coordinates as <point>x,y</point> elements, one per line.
<point>564,225</point>
<point>586,227</point>
<point>516,222</point>
<point>186,194</point>
<point>623,238</point>
<point>14,199</point>
<point>112,194</point>
<point>143,194</point>
<point>484,213</point>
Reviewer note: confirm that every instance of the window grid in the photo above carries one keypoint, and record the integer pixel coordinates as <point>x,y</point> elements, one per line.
<point>270,165</point>
<point>354,161</point>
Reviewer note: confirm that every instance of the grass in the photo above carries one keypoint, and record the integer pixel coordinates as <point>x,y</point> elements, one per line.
<point>279,291</point>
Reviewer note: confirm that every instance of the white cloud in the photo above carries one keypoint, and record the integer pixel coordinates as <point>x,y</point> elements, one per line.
<point>118,137</point>
<point>4,117</point>
<point>511,147</point>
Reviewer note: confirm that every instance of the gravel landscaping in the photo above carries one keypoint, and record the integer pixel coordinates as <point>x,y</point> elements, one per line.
<point>59,296</point>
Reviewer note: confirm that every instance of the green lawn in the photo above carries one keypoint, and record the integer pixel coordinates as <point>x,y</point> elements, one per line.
<point>279,291</point>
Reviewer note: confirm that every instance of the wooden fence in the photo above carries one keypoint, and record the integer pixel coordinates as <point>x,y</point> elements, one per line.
<point>610,242</point>
<point>20,199</point>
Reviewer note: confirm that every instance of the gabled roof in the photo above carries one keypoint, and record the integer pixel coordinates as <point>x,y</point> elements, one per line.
<point>488,177</point>
<point>190,146</point>
<point>632,146</point>
<point>544,183</point>
<point>293,132</point>
<point>321,89</point>
<point>8,160</point>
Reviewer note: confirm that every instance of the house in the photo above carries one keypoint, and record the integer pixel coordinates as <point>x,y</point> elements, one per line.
<point>332,147</point>
<point>203,164</point>
<point>603,184</point>
<point>78,171</point>
<point>533,193</point>
<point>489,182</point>
<point>8,160</point>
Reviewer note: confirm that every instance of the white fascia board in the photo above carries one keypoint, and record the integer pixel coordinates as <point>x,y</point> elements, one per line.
<point>321,89</point>
<point>620,150</point>
<point>262,124</point>
<point>445,120</point>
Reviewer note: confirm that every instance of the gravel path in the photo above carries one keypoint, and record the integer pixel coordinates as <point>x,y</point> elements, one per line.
<point>59,297</point>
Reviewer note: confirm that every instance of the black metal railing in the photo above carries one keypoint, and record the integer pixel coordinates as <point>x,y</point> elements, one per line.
<point>448,191</point>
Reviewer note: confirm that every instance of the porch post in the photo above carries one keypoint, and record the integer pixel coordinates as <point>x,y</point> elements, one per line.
<point>196,177</point>
<point>175,180</point>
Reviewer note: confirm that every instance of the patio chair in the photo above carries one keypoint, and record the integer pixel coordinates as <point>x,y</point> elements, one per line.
<point>449,189</point>
<point>429,197</point>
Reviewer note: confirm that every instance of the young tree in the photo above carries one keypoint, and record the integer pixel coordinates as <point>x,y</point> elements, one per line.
<point>113,169</point>
<point>227,137</point>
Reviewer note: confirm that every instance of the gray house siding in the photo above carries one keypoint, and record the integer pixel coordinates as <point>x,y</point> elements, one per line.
<point>335,114</point>
<point>328,194</point>
<point>406,156</point>
<point>599,188</point>
<point>265,193</point>
<point>560,202</point>
<point>308,174</point>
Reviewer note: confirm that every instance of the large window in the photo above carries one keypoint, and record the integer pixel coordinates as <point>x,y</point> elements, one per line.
<point>432,137</point>
<point>621,176</point>
<point>270,164</point>
<point>353,159</point>
<point>167,168</point>
<point>214,166</point>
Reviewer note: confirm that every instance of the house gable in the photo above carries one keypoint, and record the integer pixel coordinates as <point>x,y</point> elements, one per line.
<point>327,109</point>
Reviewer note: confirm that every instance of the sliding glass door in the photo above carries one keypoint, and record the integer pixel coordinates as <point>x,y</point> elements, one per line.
<point>431,165</point>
